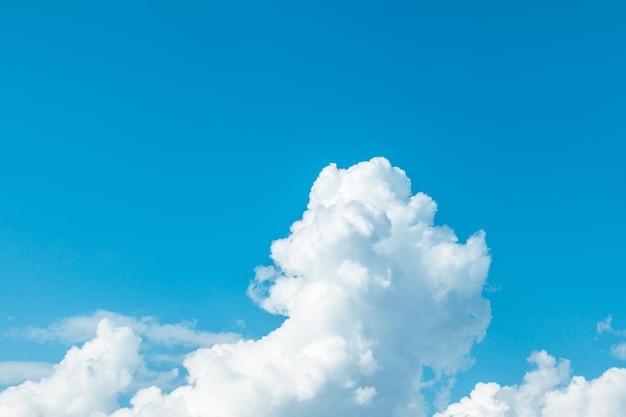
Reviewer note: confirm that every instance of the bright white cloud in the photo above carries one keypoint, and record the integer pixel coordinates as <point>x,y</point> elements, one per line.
<point>157,339</point>
<point>85,383</point>
<point>373,292</point>
<point>547,391</point>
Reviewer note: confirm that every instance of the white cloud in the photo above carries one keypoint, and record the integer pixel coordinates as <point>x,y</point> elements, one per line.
<point>156,338</point>
<point>79,329</point>
<point>606,326</point>
<point>85,383</point>
<point>373,292</point>
<point>619,350</point>
<point>547,391</point>
<point>364,395</point>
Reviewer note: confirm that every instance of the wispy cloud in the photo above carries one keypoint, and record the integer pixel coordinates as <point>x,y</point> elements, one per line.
<point>619,350</point>
<point>79,329</point>
<point>14,372</point>
<point>605,326</point>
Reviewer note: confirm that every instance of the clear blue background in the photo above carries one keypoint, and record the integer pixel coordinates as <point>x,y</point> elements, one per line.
<point>151,151</point>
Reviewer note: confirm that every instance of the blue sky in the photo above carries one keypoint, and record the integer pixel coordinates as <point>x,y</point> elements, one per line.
<point>152,151</point>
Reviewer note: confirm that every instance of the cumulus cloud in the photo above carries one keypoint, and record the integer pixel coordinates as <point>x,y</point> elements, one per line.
<point>373,294</point>
<point>547,391</point>
<point>85,383</point>
<point>161,366</point>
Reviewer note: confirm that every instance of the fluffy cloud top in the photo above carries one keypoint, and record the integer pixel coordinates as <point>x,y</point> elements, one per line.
<point>373,293</point>
<point>547,391</point>
<point>86,383</point>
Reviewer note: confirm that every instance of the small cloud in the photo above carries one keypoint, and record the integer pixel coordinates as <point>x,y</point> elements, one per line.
<point>364,395</point>
<point>604,326</point>
<point>491,288</point>
<point>546,391</point>
<point>619,350</point>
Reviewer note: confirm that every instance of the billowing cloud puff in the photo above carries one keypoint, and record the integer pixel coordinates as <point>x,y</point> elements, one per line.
<point>372,291</point>
<point>373,294</point>
<point>86,383</point>
<point>156,348</point>
<point>547,391</point>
